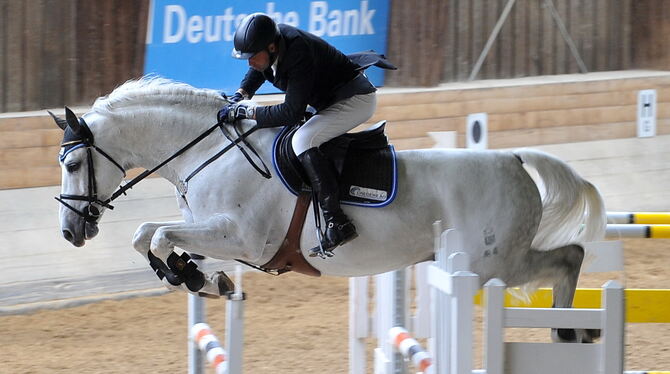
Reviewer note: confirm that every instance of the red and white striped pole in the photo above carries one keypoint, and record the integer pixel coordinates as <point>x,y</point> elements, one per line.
<point>208,343</point>
<point>410,348</point>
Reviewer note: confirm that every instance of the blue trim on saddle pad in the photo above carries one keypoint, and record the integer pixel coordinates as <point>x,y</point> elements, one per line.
<point>381,204</point>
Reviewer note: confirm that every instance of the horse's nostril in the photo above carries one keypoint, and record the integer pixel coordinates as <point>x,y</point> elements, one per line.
<point>68,235</point>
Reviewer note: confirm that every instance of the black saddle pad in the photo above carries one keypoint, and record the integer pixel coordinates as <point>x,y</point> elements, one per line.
<point>365,162</point>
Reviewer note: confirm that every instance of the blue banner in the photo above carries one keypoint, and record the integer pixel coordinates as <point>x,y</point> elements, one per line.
<point>191,40</point>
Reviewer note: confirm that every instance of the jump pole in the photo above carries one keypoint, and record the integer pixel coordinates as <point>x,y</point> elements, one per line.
<point>230,361</point>
<point>637,231</point>
<point>640,218</point>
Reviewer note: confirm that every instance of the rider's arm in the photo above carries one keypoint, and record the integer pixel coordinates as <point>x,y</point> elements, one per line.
<point>300,71</point>
<point>251,82</point>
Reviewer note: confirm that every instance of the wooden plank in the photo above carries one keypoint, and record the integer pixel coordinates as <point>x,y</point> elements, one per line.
<point>521,42</point>
<point>450,94</point>
<point>421,127</point>
<point>479,34</point>
<point>139,27</point>
<point>548,42</point>
<point>534,35</point>
<point>575,29</point>
<point>15,56</point>
<point>508,104</point>
<point>31,138</point>
<point>614,45</point>
<point>558,135</point>
<point>125,40</point>
<point>490,67</point>
<point>463,47</point>
<point>29,157</point>
<point>3,56</point>
<point>34,47</point>
<point>413,143</point>
<point>450,46</point>
<point>108,36</point>
<point>52,63</point>
<point>38,176</point>
<point>600,40</point>
<point>543,136</point>
<point>561,48</point>
<point>395,48</point>
<point>587,24</point>
<point>69,51</point>
<point>440,31</point>
<point>626,48</point>
<point>89,49</point>
<point>506,42</point>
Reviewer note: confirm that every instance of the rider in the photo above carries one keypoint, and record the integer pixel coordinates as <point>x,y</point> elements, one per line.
<point>311,72</point>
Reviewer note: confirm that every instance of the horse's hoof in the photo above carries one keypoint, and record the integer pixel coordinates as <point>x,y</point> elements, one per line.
<point>224,282</point>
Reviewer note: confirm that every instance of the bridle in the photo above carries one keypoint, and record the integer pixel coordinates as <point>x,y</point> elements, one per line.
<point>91,213</point>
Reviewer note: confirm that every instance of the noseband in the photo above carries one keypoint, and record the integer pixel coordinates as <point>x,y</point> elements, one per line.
<point>91,213</point>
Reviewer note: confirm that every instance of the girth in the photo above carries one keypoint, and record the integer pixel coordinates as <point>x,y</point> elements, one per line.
<point>289,257</point>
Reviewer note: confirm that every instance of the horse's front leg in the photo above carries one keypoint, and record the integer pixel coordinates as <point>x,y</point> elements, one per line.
<point>206,238</point>
<point>146,231</point>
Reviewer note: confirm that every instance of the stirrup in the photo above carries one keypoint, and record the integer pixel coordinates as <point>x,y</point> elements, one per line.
<point>319,251</point>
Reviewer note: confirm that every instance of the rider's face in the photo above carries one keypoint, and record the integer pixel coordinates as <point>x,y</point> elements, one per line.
<point>261,60</point>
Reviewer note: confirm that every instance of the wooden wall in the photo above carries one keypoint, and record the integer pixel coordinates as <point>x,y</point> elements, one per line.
<point>56,52</point>
<point>522,112</point>
<point>440,41</point>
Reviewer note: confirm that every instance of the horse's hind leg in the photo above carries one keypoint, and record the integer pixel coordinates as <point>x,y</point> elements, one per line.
<point>560,267</point>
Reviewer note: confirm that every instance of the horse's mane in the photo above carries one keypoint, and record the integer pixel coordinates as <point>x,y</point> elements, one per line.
<point>151,90</point>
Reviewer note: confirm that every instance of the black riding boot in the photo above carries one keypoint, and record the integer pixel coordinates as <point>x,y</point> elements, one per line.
<point>321,173</point>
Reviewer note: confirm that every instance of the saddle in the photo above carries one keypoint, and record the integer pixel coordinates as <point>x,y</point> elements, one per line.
<point>367,173</point>
<point>365,164</point>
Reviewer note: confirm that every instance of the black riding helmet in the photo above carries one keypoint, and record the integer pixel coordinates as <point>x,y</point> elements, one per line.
<point>254,34</point>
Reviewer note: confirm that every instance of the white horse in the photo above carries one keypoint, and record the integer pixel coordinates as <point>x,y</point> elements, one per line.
<point>231,212</point>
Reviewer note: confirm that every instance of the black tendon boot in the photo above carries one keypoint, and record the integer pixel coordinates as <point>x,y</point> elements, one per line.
<point>321,173</point>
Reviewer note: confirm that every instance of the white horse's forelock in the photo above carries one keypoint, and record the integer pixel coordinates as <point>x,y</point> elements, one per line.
<point>153,90</point>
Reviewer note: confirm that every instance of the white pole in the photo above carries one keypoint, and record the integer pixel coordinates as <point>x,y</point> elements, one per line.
<point>196,314</point>
<point>358,324</point>
<point>390,308</point>
<point>235,325</point>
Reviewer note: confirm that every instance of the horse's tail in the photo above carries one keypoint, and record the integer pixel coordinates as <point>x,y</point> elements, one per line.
<point>572,208</point>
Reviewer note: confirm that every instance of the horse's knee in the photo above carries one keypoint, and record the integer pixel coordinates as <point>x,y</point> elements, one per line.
<point>143,235</point>
<point>161,245</point>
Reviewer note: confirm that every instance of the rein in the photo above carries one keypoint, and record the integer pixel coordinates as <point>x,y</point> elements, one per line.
<point>92,213</point>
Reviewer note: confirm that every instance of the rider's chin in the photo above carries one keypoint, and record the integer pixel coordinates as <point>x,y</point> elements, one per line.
<point>91,231</point>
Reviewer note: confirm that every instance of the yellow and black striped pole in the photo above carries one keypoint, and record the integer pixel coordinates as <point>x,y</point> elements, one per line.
<point>615,231</point>
<point>640,218</point>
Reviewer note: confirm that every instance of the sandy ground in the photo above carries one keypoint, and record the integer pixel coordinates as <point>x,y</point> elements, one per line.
<point>294,324</point>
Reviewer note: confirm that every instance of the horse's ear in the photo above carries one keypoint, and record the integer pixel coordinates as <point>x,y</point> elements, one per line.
<point>72,120</point>
<point>59,121</point>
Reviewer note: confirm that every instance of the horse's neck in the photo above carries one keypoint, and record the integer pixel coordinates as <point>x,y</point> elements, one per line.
<point>157,135</point>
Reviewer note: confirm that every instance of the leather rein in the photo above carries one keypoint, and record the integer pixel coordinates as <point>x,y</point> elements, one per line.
<point>91,213</point>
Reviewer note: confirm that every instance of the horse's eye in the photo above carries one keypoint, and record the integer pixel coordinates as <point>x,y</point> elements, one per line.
<point>71,167</point>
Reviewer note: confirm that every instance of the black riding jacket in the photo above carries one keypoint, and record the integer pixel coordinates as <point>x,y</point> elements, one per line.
<point>311,72</point>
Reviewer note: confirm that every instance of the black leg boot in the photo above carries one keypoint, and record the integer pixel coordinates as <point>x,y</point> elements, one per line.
<point>319,169</point>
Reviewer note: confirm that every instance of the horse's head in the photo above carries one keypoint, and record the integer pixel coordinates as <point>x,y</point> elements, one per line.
<point>89,177</point>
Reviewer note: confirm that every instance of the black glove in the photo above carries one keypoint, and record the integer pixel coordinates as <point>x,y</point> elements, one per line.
<point>234,112</point>
<point>235,98</point>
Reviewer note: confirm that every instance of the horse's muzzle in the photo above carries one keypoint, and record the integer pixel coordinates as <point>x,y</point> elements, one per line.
<point>78,237</point>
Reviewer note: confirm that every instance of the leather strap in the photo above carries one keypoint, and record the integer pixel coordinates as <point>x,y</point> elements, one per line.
<point>289,257</point>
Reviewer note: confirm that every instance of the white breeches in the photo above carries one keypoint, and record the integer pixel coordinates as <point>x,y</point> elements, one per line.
<point>334,121</point>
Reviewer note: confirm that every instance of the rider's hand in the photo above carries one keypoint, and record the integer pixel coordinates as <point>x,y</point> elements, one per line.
<point>234,112</point>
<point>236,97</point>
